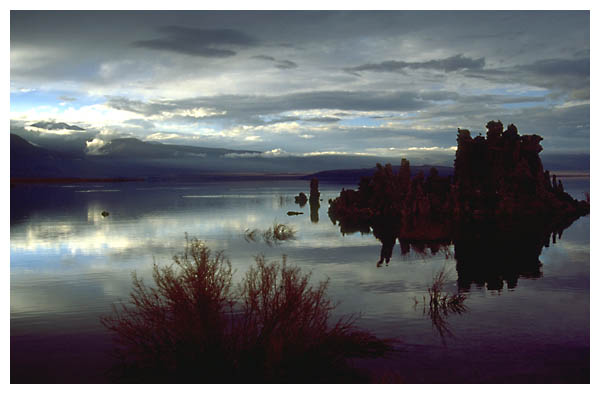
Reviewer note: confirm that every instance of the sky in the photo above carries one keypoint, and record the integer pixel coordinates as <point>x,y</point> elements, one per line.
<point>383,83</point>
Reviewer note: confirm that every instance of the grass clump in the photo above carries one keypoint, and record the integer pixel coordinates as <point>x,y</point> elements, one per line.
<point>251,235</point>
<point>278,233</point>
<point>274,235</point>
<point>439,304</point>
<point>194,326</point>
<point>439,299</point>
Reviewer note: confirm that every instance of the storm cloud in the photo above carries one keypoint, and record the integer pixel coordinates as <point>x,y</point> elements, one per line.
<point>355,82</point>
<point>281,64</point>
<point>453,63</point>
<point>244,106</point>
<point>565,75</point>
<point>198,42</point>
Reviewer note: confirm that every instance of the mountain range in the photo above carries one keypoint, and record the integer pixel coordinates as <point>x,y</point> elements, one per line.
<point>132,147</point>
<point>134,158</point>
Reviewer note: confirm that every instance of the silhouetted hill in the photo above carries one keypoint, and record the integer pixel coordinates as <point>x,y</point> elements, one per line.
<point>27,159</point>
<point>20,146</point>
<point>31,161</point>
<point>56,126</point>
<point>354,175</point>
<point>134,148</point>
<point>132,158</point>
<point>48,155</point>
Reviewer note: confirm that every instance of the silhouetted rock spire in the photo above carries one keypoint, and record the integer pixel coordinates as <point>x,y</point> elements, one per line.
<point>496,178</point>
<point>314,190</point>
<point>314,200</point>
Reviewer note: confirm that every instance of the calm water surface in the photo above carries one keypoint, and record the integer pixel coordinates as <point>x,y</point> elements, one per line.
<point>69,264</point>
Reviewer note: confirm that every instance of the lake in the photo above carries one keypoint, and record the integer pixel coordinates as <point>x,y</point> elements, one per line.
<point>69,264</point>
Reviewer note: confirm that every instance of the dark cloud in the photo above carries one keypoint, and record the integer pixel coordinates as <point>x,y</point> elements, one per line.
<point>527,67</point>
<point>251,110</point>
<point>280,64</point>
<point>56,126</point>
<point>264,57</point>
<point>245,106</point>
<point>284,119</point>
<point>199,42</point>
<point>323,119</point>
<point>493,99</point>
<point>560,67</point>
<point>285,64</point>
<point>440,95</point>
<point>563,127</point>
<point>564,75</point>
<point>449,64</point>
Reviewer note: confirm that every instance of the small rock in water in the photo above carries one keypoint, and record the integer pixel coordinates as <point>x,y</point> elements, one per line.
<point>301,199</point>
<point>292,213</point>
<point>105,213</point>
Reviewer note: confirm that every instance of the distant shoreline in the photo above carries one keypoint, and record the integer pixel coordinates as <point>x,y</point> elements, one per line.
<point>570,174</point>
<point>73,180</point>
<point>198,178</point>
<point>228,177</point>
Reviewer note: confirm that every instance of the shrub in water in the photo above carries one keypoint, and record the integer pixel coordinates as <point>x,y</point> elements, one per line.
<point>195,326</point>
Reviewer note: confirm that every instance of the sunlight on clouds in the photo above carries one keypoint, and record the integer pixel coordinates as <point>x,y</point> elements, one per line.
<point>280,128</point>
<point>96,115</point>
<point>433,148</point>
<point>28,57</point>
<point>199,112</point>
<point>241,103</point>
<point>253,138</point>
<point>278,152</point>
<point>574,103</point>
<point>401,152</point>
<point>335,153</point>
<point>163,136</point>
<point>93,146</point>
<point>53,131</point>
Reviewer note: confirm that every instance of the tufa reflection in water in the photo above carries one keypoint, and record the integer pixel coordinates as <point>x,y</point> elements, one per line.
<point>314,211</point>
<point>313,200</point>
<point>486,254</point>
<point>498,210</point>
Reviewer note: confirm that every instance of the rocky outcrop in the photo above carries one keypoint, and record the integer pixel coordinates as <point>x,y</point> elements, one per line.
<point>301,199</point>
<point>503,176</point>
<point>314,190</point>
<point>314,200</point>
<point>497,178</point>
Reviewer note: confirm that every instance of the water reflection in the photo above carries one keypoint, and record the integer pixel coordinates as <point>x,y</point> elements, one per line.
<point>514,256</point>
<point>68,264</point>
<point>314,211</point>
<point>439,304</point>
<point>488,255</point>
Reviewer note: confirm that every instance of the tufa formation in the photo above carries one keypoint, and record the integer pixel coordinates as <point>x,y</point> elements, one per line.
<point>497,178</point>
